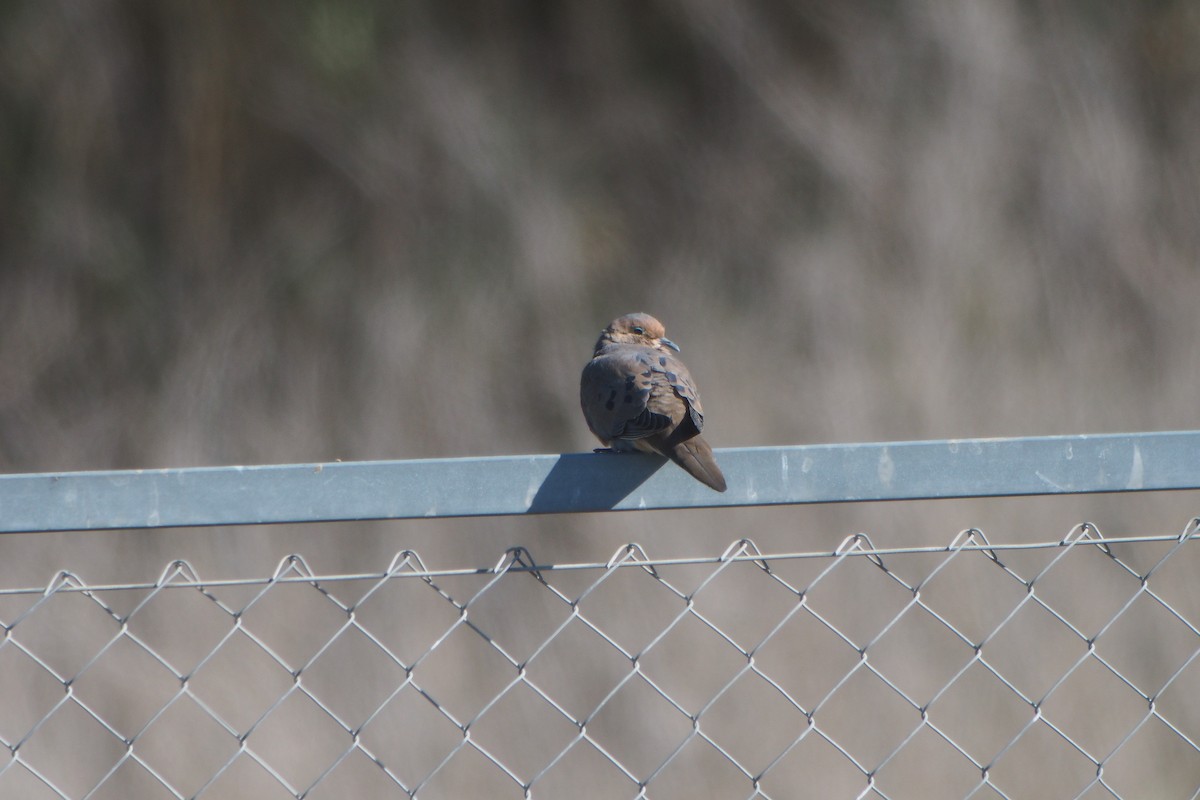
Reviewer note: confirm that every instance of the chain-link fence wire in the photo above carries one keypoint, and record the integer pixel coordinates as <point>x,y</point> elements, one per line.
<point>1059,669</point>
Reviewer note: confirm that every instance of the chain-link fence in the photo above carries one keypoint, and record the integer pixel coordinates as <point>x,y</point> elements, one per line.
<point>1058,669</point>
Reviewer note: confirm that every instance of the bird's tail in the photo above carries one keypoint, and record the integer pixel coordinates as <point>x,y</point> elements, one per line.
<point>696,458</point>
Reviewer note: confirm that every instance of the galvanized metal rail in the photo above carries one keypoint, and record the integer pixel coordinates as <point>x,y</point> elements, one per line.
<point>579,482</point>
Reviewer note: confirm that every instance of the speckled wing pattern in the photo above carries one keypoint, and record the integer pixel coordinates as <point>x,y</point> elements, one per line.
<point>628,394</point>
<point>640,397</point>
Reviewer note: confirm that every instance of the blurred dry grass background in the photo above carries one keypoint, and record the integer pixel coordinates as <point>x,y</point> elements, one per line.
<point>240,233</point>
<point>275,232</point>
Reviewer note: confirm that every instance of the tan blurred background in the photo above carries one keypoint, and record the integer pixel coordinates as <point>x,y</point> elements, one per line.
<point>237,233</point>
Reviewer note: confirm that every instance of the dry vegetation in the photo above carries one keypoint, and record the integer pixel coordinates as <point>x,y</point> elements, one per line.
<point>274,232</point>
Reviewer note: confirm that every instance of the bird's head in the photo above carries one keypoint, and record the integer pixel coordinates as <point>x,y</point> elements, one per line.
<point>639,329</point>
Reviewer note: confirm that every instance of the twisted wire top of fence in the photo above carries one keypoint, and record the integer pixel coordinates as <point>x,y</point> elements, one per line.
<point>974,669</point>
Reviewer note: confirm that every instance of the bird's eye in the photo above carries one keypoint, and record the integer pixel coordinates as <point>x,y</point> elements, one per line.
<point>639,330</point>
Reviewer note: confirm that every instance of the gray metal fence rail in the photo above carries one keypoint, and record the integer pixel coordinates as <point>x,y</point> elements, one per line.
<point>456,487</point>
<point>1061,668</point>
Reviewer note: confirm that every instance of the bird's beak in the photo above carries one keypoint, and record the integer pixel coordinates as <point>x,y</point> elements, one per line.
<point>668,343</point>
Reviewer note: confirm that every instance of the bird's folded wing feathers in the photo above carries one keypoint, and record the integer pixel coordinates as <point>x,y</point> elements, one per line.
<point>635,392</point>
<point>674,393</point>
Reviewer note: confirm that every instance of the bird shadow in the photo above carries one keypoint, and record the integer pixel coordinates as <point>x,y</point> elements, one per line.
<point>593,481</point>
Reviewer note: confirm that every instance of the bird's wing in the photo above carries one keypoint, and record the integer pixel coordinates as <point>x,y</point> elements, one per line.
<point>624,394</point>
<point>673,391</point>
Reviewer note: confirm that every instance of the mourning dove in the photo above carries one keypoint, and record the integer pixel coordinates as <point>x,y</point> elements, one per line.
<point>637,394</point>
